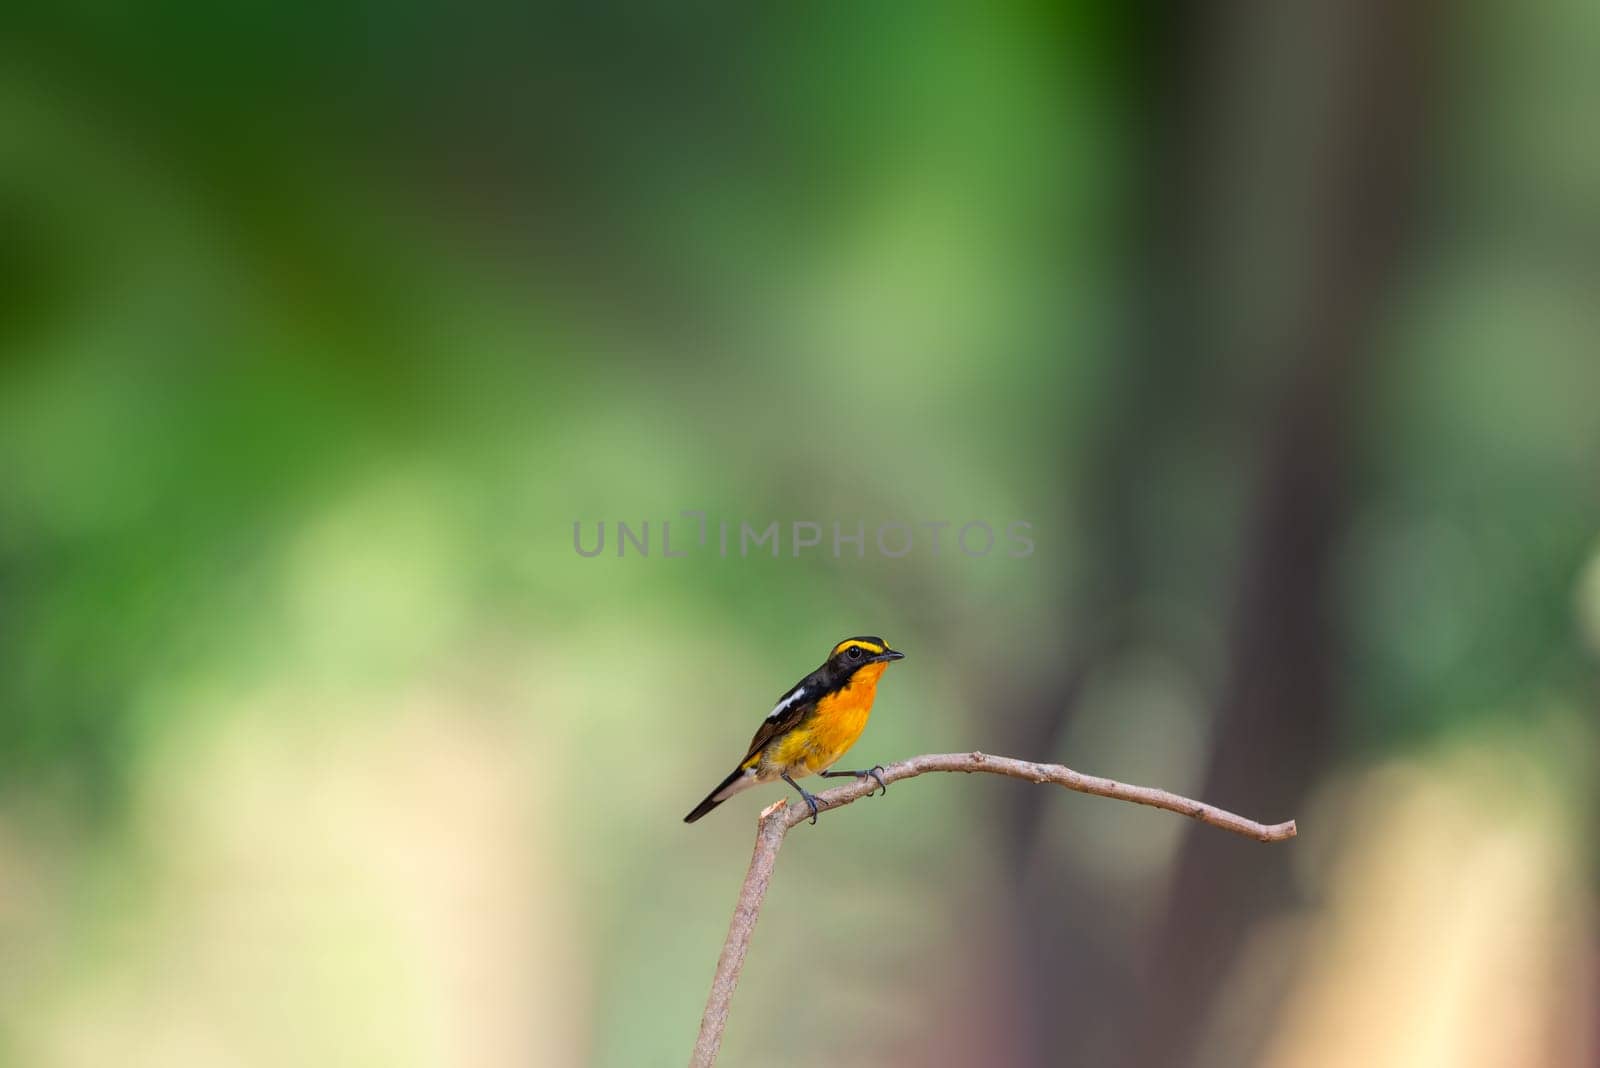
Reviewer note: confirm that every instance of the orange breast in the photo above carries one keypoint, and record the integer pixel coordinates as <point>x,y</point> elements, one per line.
<point>834,727</point>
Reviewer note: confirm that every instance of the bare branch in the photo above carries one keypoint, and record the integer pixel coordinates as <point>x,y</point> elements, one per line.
<point>769,837</point>
<point>777,820</point>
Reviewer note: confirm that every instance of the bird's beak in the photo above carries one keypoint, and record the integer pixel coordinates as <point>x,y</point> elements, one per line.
<point>890,654</point>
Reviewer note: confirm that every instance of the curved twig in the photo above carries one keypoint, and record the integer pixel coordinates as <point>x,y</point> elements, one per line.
<point>777,819</point>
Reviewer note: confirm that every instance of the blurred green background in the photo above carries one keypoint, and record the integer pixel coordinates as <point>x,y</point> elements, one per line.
<point>321,325</point>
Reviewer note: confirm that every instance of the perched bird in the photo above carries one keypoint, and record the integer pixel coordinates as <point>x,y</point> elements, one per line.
<point>812,725</point>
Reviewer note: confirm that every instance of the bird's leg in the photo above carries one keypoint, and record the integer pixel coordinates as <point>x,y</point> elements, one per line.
<point>876,771</point>
<point>805,795</point>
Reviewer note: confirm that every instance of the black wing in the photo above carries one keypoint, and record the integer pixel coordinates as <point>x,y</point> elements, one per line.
<point>791,708</point>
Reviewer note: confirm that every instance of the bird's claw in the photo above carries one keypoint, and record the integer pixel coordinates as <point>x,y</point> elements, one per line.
<point>874,773</point>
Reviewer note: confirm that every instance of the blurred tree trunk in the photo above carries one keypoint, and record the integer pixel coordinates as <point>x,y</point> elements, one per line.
<point>1069,992</point>
<point>1288,132</point>
<point>1274,724</point>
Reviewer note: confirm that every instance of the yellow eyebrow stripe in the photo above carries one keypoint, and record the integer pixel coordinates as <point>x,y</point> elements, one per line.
<point>871,647</point>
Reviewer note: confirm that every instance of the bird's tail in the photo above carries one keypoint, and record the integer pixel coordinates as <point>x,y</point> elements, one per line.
<point>740,778</point>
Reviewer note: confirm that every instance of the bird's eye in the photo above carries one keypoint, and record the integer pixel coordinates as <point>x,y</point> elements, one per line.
<point>854,653</point>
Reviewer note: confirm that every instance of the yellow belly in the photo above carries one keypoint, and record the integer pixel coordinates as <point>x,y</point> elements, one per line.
<point>828,732</point>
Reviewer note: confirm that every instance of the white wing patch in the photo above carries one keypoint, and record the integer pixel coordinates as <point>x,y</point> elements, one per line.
<point>788,699</point>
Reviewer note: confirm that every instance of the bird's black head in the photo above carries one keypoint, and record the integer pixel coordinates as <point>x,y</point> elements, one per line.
<point>854,653</point>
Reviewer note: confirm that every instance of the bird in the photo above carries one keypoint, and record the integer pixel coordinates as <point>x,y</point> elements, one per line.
<point>812,725</point>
